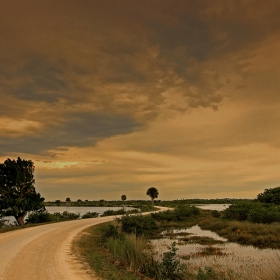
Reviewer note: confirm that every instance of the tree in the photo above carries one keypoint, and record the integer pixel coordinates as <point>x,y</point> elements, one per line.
<point>123,197</point>
<point>17,192</point>
<point>152,193</point>
<point>57,202</point>
<point>68,200</point>
<point>271,195</point>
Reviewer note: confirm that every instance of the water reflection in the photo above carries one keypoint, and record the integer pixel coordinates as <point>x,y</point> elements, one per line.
<point>218,207</point>
<point>74,209</point>
<point>191,251</point>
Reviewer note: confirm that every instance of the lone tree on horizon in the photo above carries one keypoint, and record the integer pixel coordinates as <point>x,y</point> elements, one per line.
<point>123,197</point>
<point>68,201</point>
<point>17,192</point>
<point>152,193</point>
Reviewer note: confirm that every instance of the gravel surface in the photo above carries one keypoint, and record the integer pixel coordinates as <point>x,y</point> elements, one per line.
<point>44,252</point>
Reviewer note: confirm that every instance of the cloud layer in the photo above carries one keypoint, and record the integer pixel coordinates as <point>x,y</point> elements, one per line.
<point>111,97</point>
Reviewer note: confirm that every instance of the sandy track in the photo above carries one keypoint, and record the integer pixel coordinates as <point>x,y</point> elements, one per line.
<point>43,252</point>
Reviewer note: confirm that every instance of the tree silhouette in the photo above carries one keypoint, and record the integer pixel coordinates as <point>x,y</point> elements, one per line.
<point>68,200</point>
<point>17,192</point>
<point>271,195</point>
<point>152,193</point>
<point>123,197</point>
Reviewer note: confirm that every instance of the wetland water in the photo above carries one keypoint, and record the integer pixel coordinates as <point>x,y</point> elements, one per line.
<point>200,248</point>
<point>215,250</point>
<point>77,210</point>
<point>218,207</point>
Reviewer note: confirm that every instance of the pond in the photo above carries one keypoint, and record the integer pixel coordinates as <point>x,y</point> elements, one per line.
<point>200,248</point>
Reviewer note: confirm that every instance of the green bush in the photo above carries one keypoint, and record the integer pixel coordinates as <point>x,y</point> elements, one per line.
<point>180,213</point>
<point>216,214</point>
<point>238,211</point>
<point>255,212</point>
<point>38,217</point>
<point>146,208</point>
<point>118,212</point>
<point>170,266</point>
<point>271,195</point>
<point>113,212</point>
<point>65,216</point>
<point>110,231</point>
<point>137,224</point>
<point>90,215</point>
<point>264,214</point>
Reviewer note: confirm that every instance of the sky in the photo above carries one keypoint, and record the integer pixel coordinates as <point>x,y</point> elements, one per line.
<point>112,97</point>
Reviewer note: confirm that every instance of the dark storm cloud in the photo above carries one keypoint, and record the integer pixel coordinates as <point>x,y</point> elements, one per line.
<point>36,80</point>
<point>189,39</point>
<point>130,58</point>
<point>78,130</point>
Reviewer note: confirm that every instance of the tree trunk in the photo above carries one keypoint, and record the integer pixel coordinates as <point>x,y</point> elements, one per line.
<point>20,220</point>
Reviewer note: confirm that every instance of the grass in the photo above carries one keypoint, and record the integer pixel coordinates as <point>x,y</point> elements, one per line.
<point>123,259</point>
<point>90,250</point>
<point>119,262</point>
<point>244,233</point>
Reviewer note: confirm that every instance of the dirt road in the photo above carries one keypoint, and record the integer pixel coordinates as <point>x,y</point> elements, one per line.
<point>43,252</point>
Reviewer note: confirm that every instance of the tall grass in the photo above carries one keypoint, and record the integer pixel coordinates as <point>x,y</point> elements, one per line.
<point>273,271</point>
<point>130,251</point>
<point>245,232</point>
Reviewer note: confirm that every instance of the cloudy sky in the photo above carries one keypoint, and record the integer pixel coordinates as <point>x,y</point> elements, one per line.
<point>111,97</point>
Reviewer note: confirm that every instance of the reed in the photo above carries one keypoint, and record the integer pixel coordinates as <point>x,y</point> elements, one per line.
<point>246,233</point>
<point>130,251</point>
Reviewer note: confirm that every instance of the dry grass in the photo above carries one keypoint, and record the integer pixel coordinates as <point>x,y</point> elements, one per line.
<point>245,233</point>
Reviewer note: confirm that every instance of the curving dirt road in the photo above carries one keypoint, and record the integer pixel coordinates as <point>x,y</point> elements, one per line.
<point>43,252</point>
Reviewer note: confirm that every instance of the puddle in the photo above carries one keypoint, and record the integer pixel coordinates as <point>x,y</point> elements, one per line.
<point>221,252</point>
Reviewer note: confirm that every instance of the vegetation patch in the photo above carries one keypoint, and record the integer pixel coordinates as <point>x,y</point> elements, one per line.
<point>244,232</point>
<point>91,250</point>
<point>209,251</point>
<point>202,240</point>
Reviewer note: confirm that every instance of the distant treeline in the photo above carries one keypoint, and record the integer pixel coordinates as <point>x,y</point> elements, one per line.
<point>140,203</point>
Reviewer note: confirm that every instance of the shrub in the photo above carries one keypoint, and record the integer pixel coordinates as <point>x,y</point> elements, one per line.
<point>146,208</point>
<point>110,231</point>
<point>170,266</point>
<point>118,212</point>
<point>264,214</point>
<point>38,217</point>
<point>216,214</point>
<point>255,212</point>
<point>113,212</point>
<point>90,215</point>
<point>238,211</point>
<point>180,213</point>
<point>271,195</point>
<point>137,224</point>
<point>65,216</point>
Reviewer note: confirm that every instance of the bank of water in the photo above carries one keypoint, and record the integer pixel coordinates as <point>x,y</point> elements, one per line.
<point>77,210</point>
<point>220,252</point>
